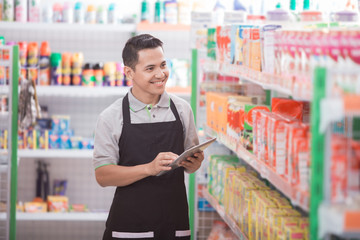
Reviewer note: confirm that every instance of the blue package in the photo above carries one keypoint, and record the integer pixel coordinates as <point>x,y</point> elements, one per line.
<point>54,140</point>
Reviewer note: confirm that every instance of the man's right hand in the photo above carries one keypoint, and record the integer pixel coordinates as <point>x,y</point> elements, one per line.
<point>161,162</point>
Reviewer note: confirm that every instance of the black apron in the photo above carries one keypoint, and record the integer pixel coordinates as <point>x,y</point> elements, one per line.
<point>154,207</point>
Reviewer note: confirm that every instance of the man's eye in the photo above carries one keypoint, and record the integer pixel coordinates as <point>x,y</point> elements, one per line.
<point>149,69</point>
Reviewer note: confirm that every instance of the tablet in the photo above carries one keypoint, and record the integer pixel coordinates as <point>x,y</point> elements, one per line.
<point>188,153</point>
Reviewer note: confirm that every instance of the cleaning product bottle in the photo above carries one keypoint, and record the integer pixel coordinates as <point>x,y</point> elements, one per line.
<point>119,75</point>
<point>44,75</point>
<point>101,15</point>
<point>55,61</point>
<point>90,15</point>
<point>34,11</point>
<point>159,12</point>
<point>88,78</point>
<point>33,61</point>
<point>66,68</point>
<point>57,13</point>
<point>23,57</point>
<point>219,13</point>
<point>171,12</point>
<point>109,74</point>
<point>8,12</point>
<point>79,13</point>
<point>144,11</point>
<point>68,14</point>
<point>99,74</point>
<point>21,10</point>
<point>76,68</point>
<point>112,13</point>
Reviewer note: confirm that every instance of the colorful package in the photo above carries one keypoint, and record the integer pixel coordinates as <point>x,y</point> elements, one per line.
<point>58,203</point>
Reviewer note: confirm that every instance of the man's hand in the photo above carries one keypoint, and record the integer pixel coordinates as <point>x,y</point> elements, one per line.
<point>161,162</point>
<point>191,164</point>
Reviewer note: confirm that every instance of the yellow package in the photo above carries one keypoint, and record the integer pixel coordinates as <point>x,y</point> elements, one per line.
<point>58,203</point>
<point>268,204</point>
<point>228,190</point>
<point>273,193</point>
<point>263,205</point>
<point>271,221</point>
<point>35,207</point>
<point>288,222</point>
<point>256,196</point>
<point>294,233</point>
<point>281,202</point>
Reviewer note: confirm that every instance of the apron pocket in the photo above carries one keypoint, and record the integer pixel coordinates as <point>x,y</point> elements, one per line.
<point>182,233</point>
<point>132,234</point>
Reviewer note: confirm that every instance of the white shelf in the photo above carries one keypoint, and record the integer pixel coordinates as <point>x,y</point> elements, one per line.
<point>62,216</point>
<point>3,168</point>
<point>55,153</point>
<point>229,221</point>
<point>67,26</point>
<point>2,216</point>
<point>80,91</point>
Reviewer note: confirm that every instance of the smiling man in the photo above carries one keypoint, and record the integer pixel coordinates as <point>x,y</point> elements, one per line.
<point>136,138</point>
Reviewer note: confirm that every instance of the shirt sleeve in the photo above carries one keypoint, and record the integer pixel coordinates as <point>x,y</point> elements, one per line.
<point>190,133</point>
<point>106,148</point>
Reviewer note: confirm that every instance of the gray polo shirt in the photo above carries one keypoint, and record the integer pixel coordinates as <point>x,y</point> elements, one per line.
<point>110,123</point>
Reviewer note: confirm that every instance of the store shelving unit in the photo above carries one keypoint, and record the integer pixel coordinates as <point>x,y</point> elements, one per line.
<point>39,26</point>
<point>55,153</point>
<point>9,164</point>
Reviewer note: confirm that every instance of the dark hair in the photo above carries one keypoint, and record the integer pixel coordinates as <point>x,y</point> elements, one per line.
<point>135,44</point>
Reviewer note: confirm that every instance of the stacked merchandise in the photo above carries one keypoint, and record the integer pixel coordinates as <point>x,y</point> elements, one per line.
<point>52,133</point>
<point>50,68</point>
<point>79,13</point>
<point>284,58</point>
<point>260,213</point>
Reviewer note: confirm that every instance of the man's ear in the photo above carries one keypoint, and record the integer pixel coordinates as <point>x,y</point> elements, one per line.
<point>129,72</point>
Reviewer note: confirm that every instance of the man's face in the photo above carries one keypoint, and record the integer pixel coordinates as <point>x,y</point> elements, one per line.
<point>150,75</point>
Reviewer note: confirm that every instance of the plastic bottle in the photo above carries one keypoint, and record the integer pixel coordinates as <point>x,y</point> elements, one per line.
<point>1,9</point>
<point>21,10</point>
<point>44,75</point>
<point>119,75</point>
<point>109,74</point>
<point>145,15</point>
<point>55,61</point>
<point>171,12</point>
<point>79,13</point>
<point>34,11</point>
<point>68,14</point>
<point>99,74</point>
<point>184,12</point>
<point>90,15</point>
<point>33,61</point>
<point>47,13</point>
<point>88,78</point>
<point>66,68</point>
<point>159,12</point>
<point>8,12</point>
<point>112,13</point>
<point>57,13</point>
<point>23,57</point>
<point>101,15</point>
<point>219,13</point>
<point>76,68</point>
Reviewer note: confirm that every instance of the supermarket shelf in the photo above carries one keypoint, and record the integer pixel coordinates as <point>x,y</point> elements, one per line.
<point>297,197</point>
<point>2,216</point>
<point>4,63</point>
<point>17,26</point>
<point>249,75</point>
<point>340,220</point>
<point>55,153</point>
<point>141,27</point>
<point>61,216</point>
<point>4,115</point>
<point>220,209</point>
<point>80,91</point>
<point>3,168</point>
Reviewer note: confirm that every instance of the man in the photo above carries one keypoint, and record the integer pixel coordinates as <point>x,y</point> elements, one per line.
<point>136,138</point>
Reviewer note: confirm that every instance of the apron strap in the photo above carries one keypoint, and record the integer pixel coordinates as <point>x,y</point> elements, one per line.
<point>126,110</point>
<point>174,110</point>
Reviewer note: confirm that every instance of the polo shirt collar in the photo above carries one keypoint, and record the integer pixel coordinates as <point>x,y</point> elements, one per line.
<point>137,105</point>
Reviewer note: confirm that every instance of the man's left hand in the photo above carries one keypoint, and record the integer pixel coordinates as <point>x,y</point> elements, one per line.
<point>191,164</point>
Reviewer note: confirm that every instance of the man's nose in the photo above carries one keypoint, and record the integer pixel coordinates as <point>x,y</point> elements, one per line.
<point>159,73</point>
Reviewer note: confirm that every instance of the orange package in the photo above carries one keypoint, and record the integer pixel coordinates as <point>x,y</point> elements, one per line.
<point>287,107</point>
